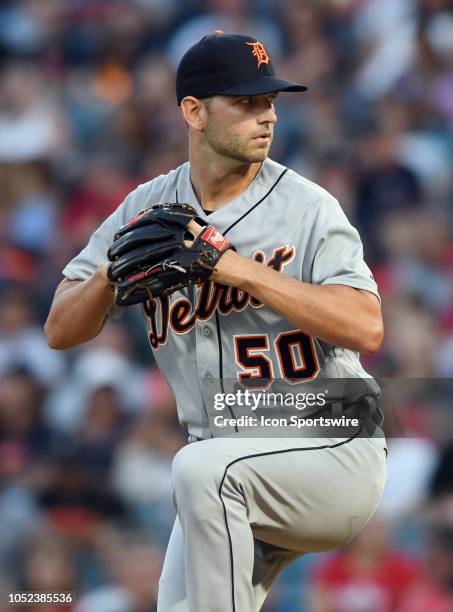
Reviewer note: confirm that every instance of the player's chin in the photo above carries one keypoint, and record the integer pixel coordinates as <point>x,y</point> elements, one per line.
<point>252,154</point>
<point>262,144</point>
<point>259,154</point>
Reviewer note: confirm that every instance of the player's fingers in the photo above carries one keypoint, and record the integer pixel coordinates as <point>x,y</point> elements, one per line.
<point>194,228</point>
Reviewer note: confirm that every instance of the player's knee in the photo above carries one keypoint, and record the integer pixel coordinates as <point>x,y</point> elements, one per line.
<point>191,468</point>
<point>194,474</point>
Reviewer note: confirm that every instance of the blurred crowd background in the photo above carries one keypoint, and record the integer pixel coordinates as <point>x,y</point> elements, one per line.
<point>87,436</point>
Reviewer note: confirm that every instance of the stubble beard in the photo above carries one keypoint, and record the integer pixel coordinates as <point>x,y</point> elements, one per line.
<point>231,146</point>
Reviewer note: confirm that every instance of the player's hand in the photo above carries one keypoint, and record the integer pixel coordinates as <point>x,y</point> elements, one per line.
<point>194,228</point>
<point>151,256</point>
<point>230,267</point>
<point>102,271</point>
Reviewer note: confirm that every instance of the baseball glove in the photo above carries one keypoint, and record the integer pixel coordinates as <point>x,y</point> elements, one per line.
<point>150,255</point>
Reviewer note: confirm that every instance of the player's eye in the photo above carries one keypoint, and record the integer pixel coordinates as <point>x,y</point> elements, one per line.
<point>247,100</point>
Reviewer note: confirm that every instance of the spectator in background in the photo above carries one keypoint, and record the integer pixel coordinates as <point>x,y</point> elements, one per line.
<point>133,574</point>
<point>142,477</point>
<point>48,567</point>
<point>74,505</point>
<point>412,455</point>
<point>384,187</point>
<point>101,431</point>
<point>106,362</point>
<point>25,438</point>
<point>227,15</point>
<point>22,341</point>
<point>410,354</point>
<point>441,484</point>
<point>29,207</point>
<point>367,575</point>
<point>434,592</point>
<point>142,471</point>
<point>103,185</point>
<point>30,121</point>
<point>25,444</point>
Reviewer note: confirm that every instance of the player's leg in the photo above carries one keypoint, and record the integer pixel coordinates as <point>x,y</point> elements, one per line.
<point>307,499</point>
<point>269,560</point>
<point>172,586</point>
<point>300,495</point>
<point>313,497</point>
<point>214,551</point>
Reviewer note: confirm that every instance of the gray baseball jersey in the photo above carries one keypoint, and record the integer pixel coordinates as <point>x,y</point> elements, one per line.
<point>204,335</point>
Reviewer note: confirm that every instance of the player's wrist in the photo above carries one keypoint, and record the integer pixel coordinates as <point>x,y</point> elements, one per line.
<point>230,269</point>
<point>101,275</point>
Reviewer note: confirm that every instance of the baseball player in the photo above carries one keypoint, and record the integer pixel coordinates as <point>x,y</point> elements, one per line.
<point>250,273</point>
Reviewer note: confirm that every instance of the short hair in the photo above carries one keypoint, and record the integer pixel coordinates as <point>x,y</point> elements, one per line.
<point>208,103</point>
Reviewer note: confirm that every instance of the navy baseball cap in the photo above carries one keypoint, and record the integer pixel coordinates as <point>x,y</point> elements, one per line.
<point>228,65</point>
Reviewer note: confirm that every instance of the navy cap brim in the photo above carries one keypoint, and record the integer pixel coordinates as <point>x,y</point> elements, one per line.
<point>262,85</point>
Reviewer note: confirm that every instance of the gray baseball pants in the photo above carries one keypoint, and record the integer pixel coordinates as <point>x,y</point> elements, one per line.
<point>248,507</point>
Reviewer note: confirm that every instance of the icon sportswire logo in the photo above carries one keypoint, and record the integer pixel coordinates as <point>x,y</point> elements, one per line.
<point>259,52</point>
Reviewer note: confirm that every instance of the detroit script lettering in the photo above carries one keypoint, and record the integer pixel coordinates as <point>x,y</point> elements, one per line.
<point>181,316</point>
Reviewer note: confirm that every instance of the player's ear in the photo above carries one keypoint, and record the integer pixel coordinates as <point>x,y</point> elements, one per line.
<point>194,112</point>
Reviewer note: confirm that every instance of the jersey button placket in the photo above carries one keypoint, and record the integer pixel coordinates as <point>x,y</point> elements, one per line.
<point>208,364</point>
<point>206,352</point>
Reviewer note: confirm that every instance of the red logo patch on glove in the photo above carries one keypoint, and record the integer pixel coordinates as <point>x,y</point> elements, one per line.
<point>212,236</point>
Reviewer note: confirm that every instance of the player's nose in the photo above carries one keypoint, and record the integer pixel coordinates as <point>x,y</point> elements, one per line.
<point>268,115</point>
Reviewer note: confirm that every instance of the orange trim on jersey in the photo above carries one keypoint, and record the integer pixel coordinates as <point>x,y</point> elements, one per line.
<point>186,319</point>
<point>244,376</point>
<point>291,381</point>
